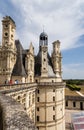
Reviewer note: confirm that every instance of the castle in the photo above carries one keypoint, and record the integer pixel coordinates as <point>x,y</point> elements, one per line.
<point>19,66</point>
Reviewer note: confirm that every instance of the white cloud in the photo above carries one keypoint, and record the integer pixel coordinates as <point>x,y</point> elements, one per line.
<point>62,20</point>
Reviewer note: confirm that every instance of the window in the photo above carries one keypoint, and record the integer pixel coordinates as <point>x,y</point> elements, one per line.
<point>38,90</point>
<point>36,81</point>
<point>6,42</point>
<point>37,118</point>
<point>41,38</point>
<point>18,97</point>
<point>37,99</point>
<point>74,104</point>
<point>53,98</point>
<point>53,108</point>
<point>6,34</point>
<point>37,108</point>
<point>53,90</point>
<point>38,128</point>
<point>53,117</point>
<point>11,36</point>
<point>66,103</point>
<point>6,25</point>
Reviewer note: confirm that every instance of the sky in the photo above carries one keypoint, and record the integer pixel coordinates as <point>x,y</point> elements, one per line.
<point>62,20</point>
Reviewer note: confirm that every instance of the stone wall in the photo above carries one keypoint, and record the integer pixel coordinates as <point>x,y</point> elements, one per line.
<point>13,116</point>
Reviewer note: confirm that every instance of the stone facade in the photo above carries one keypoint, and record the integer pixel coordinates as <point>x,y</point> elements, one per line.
<point>74,102</point>
<point>19,69</point>
<point>50,107</point>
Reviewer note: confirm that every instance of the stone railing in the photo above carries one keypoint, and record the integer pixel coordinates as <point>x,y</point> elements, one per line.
<point>13,116</point>
<point>74,98</point>
<point>52,84</point>
<point>8,87</point>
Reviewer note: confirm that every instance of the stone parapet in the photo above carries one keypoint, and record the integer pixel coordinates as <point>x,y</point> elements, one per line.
<point>13,116</point>
<point>59,84</point>
<point>74,98</point>
<point>6,88</point>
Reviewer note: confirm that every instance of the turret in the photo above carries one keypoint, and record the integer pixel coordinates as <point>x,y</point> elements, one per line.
<point>8,32</point>
<point>8,48</point>
<point>29,64</point>
<point>56,58</point>
<point>43,48</point>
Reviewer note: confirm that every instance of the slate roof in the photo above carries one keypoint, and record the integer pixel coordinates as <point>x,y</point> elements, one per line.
<point>19,67</point>
<point>38,65</point>
<point>43,34</point>
<point>50,67</point>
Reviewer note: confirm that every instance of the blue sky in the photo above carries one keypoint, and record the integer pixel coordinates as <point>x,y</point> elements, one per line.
<point>63,20</point>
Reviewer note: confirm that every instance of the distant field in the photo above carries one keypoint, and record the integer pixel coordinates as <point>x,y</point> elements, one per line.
<point>68,92</point>
<point>82,89</point>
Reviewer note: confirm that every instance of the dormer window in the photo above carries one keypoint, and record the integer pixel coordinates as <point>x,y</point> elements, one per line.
<point>12,37</point>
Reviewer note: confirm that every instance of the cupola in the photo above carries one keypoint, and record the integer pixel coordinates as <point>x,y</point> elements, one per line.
<point>43,39</point>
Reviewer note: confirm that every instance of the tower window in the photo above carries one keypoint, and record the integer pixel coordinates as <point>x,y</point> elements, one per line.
<point>66,103</point>
<point>53,108</point>
<point>6,25</point>
<point>6,42</point>
<point>37,108</point>
<point>53,98</point>
<point>74,104</point>
<point>37,99</point>
<point>36,81</point>
<point>18,97</point>
<point>41,38</point>
<point>37,118</point>
<point>6,34</point>
<point>38,91</point>
<point>52,81</point>
<point>38,128</point>
<point>53,117</point>
<point>11,36</point>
